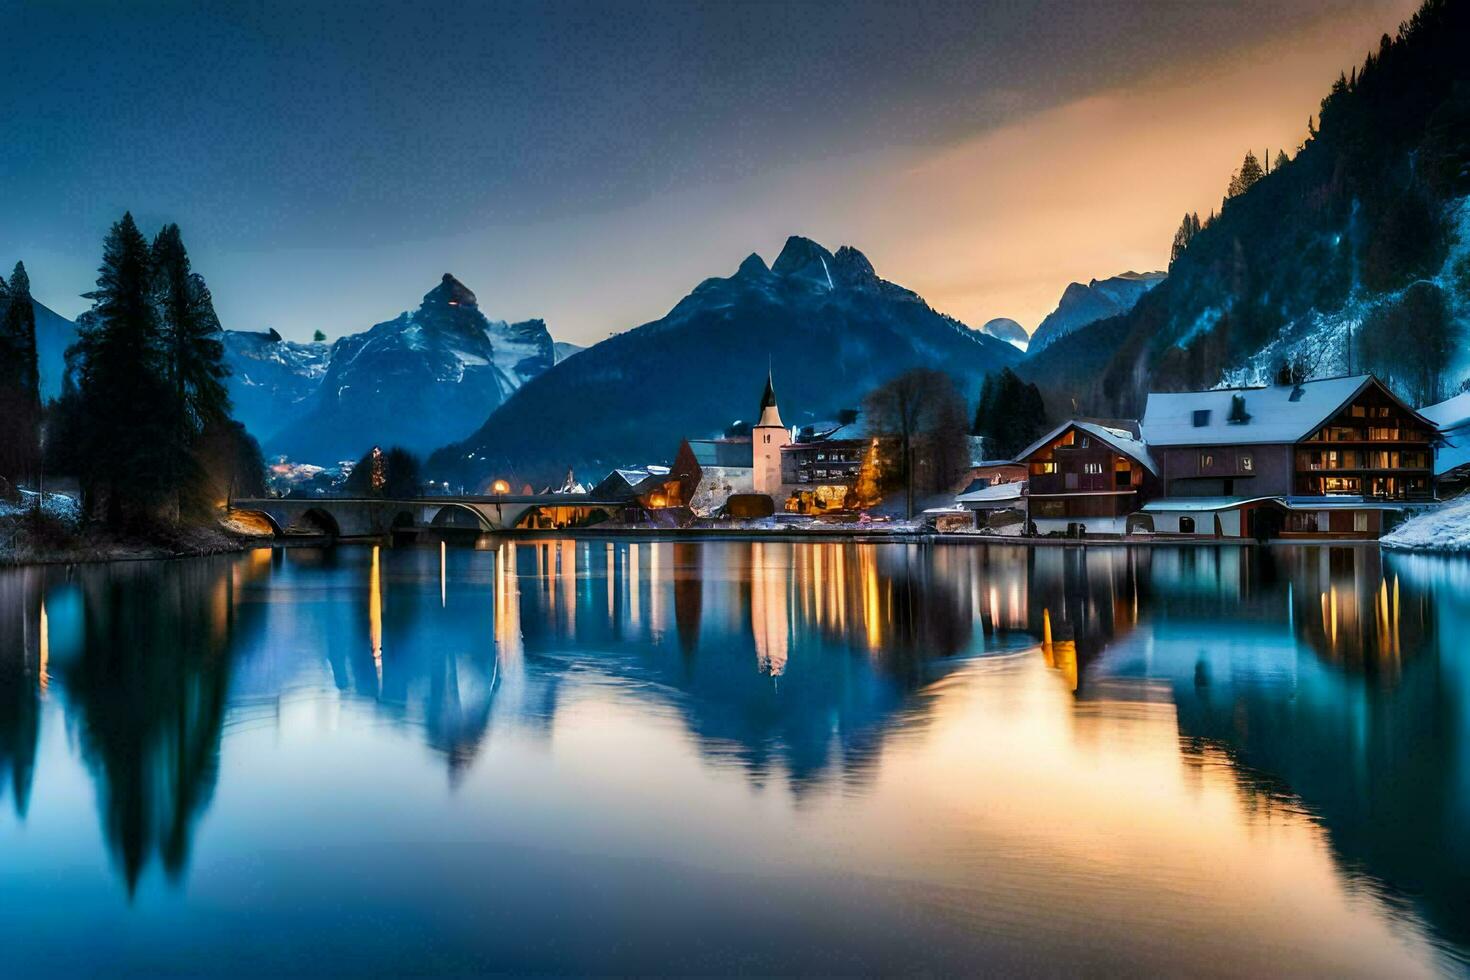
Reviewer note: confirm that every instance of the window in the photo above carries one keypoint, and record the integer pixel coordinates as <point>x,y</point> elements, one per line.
<point>1094,469</point>
<point>1201,417</point>
<point>1041,469</point>
<point>1186,525</point>
<point>1047,508</point>
<point>1247,463</point>
<point>1085,442</point>
<point>1360,521</point>
<point>1206,460</point>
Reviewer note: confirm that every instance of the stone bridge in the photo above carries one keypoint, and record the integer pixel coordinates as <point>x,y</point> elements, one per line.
<point>364,517</point>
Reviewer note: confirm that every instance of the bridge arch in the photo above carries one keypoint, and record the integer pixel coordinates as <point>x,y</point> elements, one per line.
<point>321,520</point>
<point>454,515</point>
<point>258,518</point>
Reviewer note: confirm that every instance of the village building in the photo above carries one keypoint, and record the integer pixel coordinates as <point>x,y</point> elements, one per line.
<point>767,438</point>
<point>1452,461</point>
<point>821,467</point>
<point>1086,477</point>
<point>1339,456</point>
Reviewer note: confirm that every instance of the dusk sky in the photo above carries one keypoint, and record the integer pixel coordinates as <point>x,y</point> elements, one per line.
<point>590,163</point>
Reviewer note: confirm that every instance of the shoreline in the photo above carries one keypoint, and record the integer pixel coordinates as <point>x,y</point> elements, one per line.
<point>230,543</point>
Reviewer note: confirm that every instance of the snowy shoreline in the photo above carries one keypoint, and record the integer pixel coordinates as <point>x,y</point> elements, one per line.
<point>1444,530</point>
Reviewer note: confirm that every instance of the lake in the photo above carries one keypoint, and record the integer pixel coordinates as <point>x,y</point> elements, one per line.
<point>587,755</point>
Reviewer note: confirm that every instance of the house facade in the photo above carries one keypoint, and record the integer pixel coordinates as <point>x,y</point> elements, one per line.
<point>1087,477</point>
<point>1338,456</point>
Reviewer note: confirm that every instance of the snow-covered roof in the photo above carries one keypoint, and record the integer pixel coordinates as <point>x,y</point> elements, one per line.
<point>1122,440</point>
<point>1341,502</point>
<point>999,494</point>
<point>1198,504</point>
<point>1202,418</point>
<point>1452,455</point>
<point>1452,413</point>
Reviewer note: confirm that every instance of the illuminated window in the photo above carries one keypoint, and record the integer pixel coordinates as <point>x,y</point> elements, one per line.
<point>1247,464</point>
<point>1094,469</point>
<point>1040,469</point>
<point>1206,460</point>
<point>1360,521</point>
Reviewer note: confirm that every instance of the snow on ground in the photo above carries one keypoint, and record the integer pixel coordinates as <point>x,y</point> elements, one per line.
<point>1446,528</point>
<point>58,505</point>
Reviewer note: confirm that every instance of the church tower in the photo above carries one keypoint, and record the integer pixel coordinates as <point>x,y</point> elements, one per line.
<point>767,437</point>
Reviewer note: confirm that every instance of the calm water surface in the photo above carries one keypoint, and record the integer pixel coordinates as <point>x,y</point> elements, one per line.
<point>578,756</point>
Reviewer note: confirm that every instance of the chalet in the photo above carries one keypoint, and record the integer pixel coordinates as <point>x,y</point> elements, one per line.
<point>1322,457</point>
<point>1452,462</point>
<point>821,466</point>
<point>1087,476</point>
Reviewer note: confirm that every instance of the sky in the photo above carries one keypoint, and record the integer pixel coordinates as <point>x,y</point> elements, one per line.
<point>590,163</point>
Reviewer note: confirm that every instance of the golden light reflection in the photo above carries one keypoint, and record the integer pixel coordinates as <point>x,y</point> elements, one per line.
<point>568,560</point>
<point>375,614</point>
<point>508,639</point>
<point>769,619</point>
<point>43,675</point>
<point>872,610</point>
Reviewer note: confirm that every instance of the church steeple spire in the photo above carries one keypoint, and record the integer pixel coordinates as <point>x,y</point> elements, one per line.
<point>769,415</point>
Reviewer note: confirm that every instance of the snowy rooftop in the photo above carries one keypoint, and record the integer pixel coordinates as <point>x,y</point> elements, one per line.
<point>1122,440</point>
<point>999,494</point>
<point>1202,418</point>
<point>1453,413</point>
<point>1198,504</point>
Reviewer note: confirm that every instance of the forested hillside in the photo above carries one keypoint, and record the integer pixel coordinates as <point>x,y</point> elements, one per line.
<point>1352,250</point>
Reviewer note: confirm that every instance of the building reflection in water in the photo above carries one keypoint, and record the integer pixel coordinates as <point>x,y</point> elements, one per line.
<point>1324,680</point>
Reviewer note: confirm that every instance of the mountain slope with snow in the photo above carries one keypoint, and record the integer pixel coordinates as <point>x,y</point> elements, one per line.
<point>1354,252</point>
<point>271,379</point>
<point>828,326</point>
<point>418,381</point>
<point>1004,328</point>
<point>1082,306</point>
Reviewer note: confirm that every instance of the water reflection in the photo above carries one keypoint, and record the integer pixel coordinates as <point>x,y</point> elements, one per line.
<point>1324,684</point>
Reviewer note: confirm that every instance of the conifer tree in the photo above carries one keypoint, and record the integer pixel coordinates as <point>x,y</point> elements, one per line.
<point>1188,228</point>
<point>1281,160</point>
<point>123,411</point>
<point>1245,178</point>
<point>20,398</point>
<point>193,354</point>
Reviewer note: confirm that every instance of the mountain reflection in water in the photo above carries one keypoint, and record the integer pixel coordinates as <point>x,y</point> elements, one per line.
<point>1320,689</point>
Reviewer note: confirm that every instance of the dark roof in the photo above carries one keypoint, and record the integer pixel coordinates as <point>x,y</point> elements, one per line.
<point>768,397</point>
<point>722,452</point>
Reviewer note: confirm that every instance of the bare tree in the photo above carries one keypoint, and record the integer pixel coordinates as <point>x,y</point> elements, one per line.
<point>920,419</point>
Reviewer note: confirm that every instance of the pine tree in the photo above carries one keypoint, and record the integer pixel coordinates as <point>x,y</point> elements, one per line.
<point>1188,228</point>
<point>1245,178</point>
<point>124,416</point>
<point>318,337</point>
<point>1281,161</point>
<point>20,398</point>
<point>1014,417</point>
<point>193,354</point>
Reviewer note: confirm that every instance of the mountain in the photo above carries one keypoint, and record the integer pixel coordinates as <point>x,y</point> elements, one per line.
<point>419,381</point>
<point>826,324</point>
<point>54,334</point>
<point>1082,305</point>
<point>1356,252</point>
<point>1004,328</point>
<point>271,379</point>
<point>563,349</point>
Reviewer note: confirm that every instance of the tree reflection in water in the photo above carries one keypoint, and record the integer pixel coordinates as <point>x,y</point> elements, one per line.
<point>23,674</point>
<point>1327,679</point>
